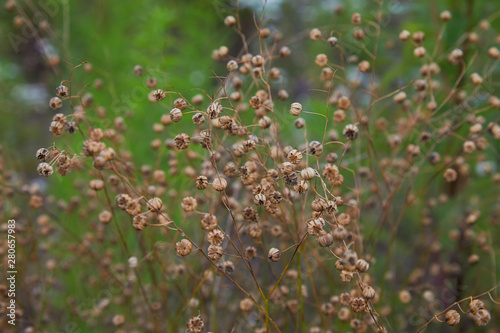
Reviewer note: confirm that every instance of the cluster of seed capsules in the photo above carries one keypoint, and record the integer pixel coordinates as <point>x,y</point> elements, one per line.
<point>261,182</point>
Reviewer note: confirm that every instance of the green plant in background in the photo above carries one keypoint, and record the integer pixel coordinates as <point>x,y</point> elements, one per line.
<point>252,167</point>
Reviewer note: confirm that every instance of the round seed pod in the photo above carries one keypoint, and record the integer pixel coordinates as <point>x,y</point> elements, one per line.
<point>184,247</point>
<point>62,91</point>
<point>296,109</point>
<point>274,254</point>
<point>229,21</point>
<point>219,183</point>
<point>55,103</point>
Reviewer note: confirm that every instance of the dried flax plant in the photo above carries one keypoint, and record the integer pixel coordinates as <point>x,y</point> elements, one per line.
<point>288,217</point>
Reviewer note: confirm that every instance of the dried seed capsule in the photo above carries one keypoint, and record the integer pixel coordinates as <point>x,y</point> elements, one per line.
<point>404,35</point>
<point>55,103</point>
<point>195,325</point>
<point>201,182</point>
<point>251,252</point>
<point>325,240</point>
<point>215,252</point>
<point>105,217</point>
<point>494,53</point>
<point>301,187</point>
<point>159,94</point>
<point>362,265</point>
<point>215,237</point>
<point>307,173</point>
<point>482,317</point>
<point>315,148</point>
<point>232,65</point>
<point>155,204</point>
<point>315,226</point>
<point>332,41</point>
<point>295,156</point>
<point>219,183</point>
<point>96,184</point>
<point>358,305</point>
<point>259,199</point>
<point>209,222</point>
<point>255,102</point>
<point>265,122</point>
<point>285,51</point>
<point>214,110</point>
<point>419,52</point>
<point>445,16</point>
<point>315,34</point>
<point>274,254</point>
<point>321,60</point>
<point>44,169</point>
<point>476,305</point>
<point>189,204</point>
<point>184,247</point>
<point>351,132</point>
<point>62,91</point>
<point>42,154</point>
<point>151,82</point>
<point>356,19</point>
<point>450,175</point>
<point>358,34</point>
<point>368,292</point>
<point>296,109</point>
<point>182,141</point>
<point>140,221</point>
<point>476,79</point>
<point>230,21</point>
<point>138,70</point>
<point>452,317</point>
<point>344,103</point>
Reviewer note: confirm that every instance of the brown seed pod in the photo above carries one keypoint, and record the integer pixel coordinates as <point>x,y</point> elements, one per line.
<point>209,222</point>
<point>189,204</point>
<point>159,95</point>
<point>140,222</point>
<point>62,91</point>
<point>321,60</point>
<point>214,110</point>
<point>175,115</point>
<point>44,169</point>
<point>195,325</point>
<point>215,252</point>
<point>55,103</point>
<point>184,247</point>
<point>182,141</point>
<point>274,254</point>
<point>219,183</point>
